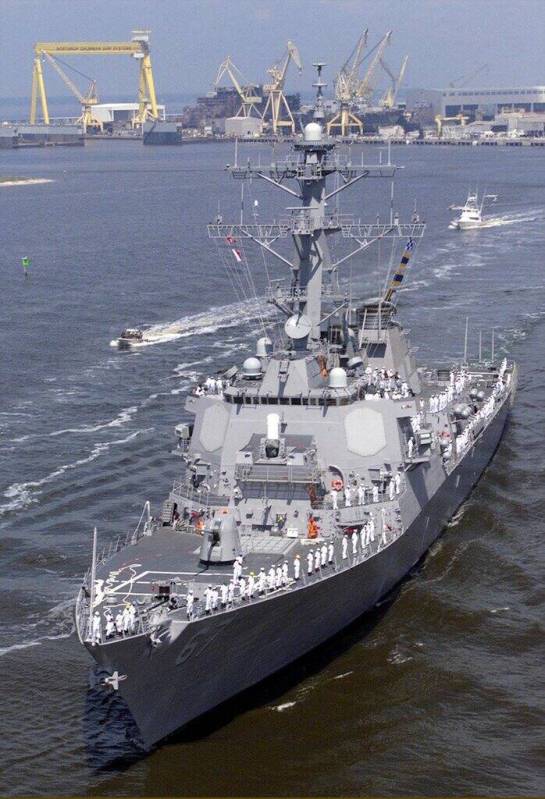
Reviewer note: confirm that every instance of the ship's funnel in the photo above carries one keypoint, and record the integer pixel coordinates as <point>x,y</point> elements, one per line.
<point>221,541</point>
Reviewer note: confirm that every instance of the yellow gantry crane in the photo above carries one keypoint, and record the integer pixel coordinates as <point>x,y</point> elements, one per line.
<point>246,91</point>
<point>138,48</point>
<point>277,105</point>
<point>440,120</point>
<point>390,95</point>
<point>346,90</point>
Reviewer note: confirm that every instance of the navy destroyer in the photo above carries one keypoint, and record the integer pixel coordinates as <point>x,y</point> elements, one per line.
<point>315,474</point>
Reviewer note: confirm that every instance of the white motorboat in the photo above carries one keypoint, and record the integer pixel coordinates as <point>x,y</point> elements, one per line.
<point>471,212</point>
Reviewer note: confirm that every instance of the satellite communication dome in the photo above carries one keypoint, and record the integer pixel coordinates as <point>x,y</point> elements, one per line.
<point>251,367</point>
<point>337,378</point>
<point>313,132</point>
<point>263,346</point>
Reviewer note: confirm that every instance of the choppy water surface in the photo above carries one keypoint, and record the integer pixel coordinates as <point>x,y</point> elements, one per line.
<point>441,690</point>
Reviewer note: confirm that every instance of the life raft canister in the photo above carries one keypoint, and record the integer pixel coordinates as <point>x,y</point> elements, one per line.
<point>337,484</point>
<point>312,528</point>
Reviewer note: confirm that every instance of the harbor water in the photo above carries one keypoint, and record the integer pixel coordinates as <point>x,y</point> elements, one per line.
<point>441,690</point>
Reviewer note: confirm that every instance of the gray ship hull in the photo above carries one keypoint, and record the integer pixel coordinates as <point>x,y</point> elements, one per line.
<point>214,658</point>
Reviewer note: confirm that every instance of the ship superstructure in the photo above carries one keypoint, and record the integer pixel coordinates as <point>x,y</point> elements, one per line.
<point>316,473</point>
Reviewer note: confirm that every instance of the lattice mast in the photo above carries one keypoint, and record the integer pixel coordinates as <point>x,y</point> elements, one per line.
<point>314,274</point>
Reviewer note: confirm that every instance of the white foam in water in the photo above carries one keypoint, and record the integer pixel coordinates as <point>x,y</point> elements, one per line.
<point>201,324</point>
<point>284,706</point>
<point>36,642</point>
<point>21,495</point>
<point>124,416</point>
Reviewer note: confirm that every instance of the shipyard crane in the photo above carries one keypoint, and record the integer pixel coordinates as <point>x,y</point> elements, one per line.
<point>246,91</point>
<point>138,48</point>
<point>277,105</point>
<point>390,95</point>
<point>346,84</point>
<point>366,86</point>
<point>87,100</point>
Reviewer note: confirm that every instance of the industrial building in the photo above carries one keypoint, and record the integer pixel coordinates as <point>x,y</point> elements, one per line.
<point>475,103</point>
<point>490,102</point>
<point>119,114</point>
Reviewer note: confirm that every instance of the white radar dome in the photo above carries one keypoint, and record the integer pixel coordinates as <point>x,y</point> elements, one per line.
<point>263,347</point>
<point>312,132</point>
<point>337,378</point>
<point>251,367</point>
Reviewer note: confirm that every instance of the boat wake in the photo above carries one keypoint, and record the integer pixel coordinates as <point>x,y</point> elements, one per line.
<point>210,321</point>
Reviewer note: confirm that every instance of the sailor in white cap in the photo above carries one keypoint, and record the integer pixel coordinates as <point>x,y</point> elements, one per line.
<point>310,562</point>
<point>285,573</point>
<point>354,544</point>
<point>250,589</point>
<point>190,600</point>
<point>330,553</point>
<point>361,494</point>
<point>348,496</point>
<point>410,447</point>
<point>261,581</point>
<point>271,578</point>
<point>334,498</point>
<point>345,546</point>
<point>242,587</point>
<point>110,626</point>
<point>297,567</point>
<point>363,536</point>
<point>95,629</point>
<point>317,559</point>
<point>224,595</point>
<point>231,592</point>
<point>391,490</point>
<point>119,622</point>
<point>397,482</point>
<point>324,555</point>
<point>374,491</point>
<point>278,577</point>
<point>208,600</point>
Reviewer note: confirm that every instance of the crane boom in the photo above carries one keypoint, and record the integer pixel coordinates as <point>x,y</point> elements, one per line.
<point>246,92</point>
<point>365,86</point>
<point>277,105</point>
<point>390,95</point>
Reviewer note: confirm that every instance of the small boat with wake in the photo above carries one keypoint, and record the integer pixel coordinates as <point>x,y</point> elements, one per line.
<point>471,212</point>
<point>129,337</point>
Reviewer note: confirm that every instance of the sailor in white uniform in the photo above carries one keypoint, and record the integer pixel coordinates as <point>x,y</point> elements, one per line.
<point>231,593</point>
<point>391,490</point>
<point>324,555</point>
<point>285,573</point>
<point>190,599</point>
<point>278,577</point>
<point>410,447</point>
<point>330,553</point>
<point>363,536</point>
<point>224,592</point>
<point>317,559</point>
<point>208,600</point>
<point>354,544</point>
<point>250,590</point>
<point>361,494</point>
<point>119,623</point>
<point>110,626</point>
<point>95,629</point>
<point>397,482</point>
<point>297,567</point>
<point>334,498</point>
<point>310,562</point>
<point>242,588</point>
<point>348,497</point>
<point>345,546</point>
<point>375,492</point>
<point>271,577</point>
<point>261,581</point>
